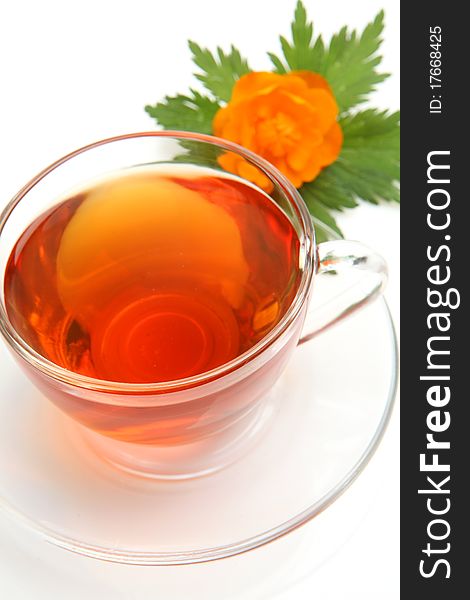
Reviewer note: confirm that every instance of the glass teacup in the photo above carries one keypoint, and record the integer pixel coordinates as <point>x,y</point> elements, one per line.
<point>196,424</point>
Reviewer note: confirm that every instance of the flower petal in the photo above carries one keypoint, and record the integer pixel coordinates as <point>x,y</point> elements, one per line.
<point>332,144</point>
<point>259,83</point>
<point>324,106</point>
<point>311,171</point>
<point>313,80</point>
<point>299,157</point>
<point>289,119</point>
<point>293,176</point>
<point>233,163</point>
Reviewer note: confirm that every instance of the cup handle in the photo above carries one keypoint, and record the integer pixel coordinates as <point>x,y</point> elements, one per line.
<point>345,258</point>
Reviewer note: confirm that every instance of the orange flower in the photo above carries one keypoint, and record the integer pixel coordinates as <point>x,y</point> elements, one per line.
<point>288,119</point>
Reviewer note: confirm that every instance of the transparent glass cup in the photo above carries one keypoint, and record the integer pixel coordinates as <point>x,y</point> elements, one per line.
<point>191,426</point>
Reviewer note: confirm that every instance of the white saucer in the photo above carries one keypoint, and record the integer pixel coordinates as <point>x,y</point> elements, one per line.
<point>332,406</point>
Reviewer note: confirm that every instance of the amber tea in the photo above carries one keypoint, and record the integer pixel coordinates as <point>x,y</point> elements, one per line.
<point>153,275</point>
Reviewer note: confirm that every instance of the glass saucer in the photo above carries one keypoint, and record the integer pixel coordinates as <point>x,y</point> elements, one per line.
<point>330,409</point>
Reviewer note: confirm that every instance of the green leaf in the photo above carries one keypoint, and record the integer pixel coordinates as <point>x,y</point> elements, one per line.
<point>325,224</point>
<point>277,62</point>
<point>348,63</point>
<point>187,113</point>
<point>219,73</point>
<point>367,168</point>
<point>369,164</point>
<point>301,53</point>
<point>197,153</point>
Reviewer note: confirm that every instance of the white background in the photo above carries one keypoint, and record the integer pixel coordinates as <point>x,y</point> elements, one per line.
<point>75,72</point>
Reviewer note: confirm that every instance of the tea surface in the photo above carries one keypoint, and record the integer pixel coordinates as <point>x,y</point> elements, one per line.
<point>152,276</point>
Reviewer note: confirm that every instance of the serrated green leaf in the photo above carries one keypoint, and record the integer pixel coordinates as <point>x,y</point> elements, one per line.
<point>320,213</point>
<point>370,122</point>
<point>367,168</point>
<point>219,73</point>
<point>348,63</point>
<point>302,30</point>
<point>301,53</point>
<point>277,63</point>
<point>197,153</point>
<point>330,191</point>
<point>185,113</point>
<point>351,61</point>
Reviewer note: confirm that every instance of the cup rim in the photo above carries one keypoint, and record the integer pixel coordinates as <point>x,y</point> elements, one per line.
<point>307,248</point>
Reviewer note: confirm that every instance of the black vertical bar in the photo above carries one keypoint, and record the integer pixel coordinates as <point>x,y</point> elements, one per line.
<point>434,120</point>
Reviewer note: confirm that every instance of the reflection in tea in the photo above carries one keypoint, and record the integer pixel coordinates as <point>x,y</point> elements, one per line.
<point>153,275</point>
